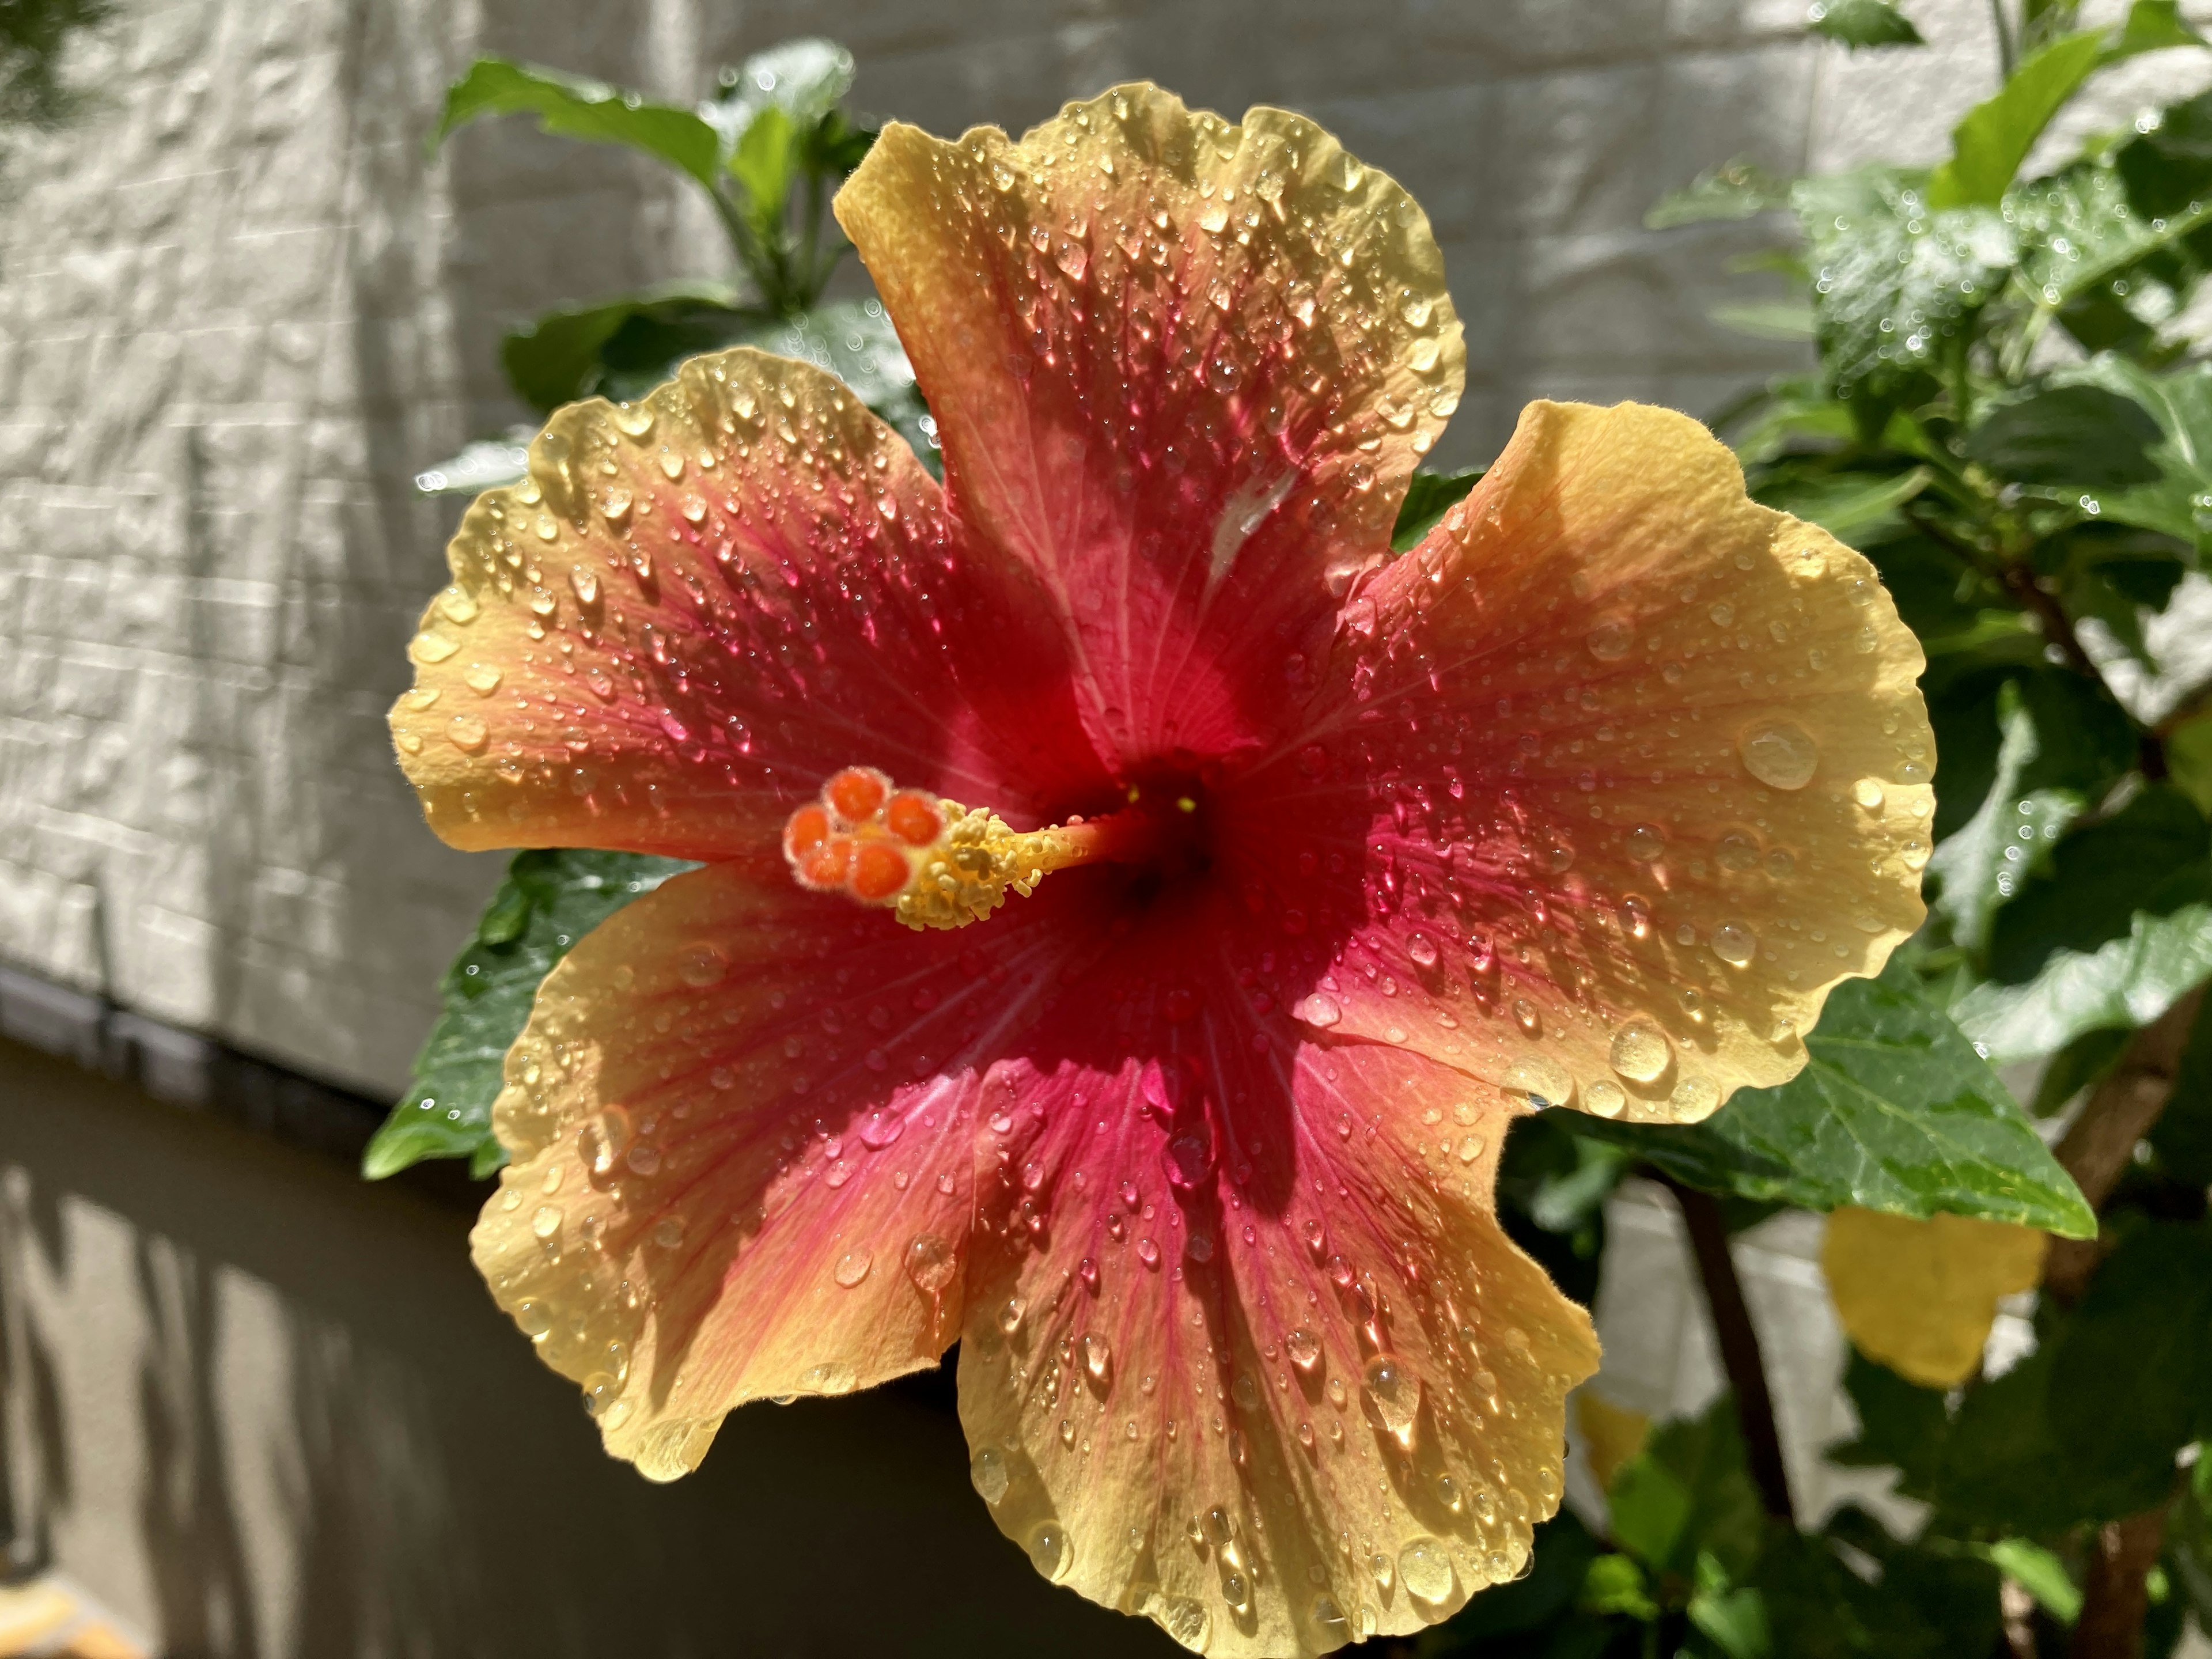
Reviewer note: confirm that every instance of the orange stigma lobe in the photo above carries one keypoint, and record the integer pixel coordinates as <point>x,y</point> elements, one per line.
<point>936,863</point>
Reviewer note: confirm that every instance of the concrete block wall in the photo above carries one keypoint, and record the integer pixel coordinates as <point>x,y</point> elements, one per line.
<point>240,306</point>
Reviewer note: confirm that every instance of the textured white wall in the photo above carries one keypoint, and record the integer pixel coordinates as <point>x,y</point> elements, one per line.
<point>239,307</point>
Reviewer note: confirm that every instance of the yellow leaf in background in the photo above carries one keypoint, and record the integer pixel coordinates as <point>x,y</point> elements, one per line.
<point>1920,1296</point>
<point>1612,1434</point>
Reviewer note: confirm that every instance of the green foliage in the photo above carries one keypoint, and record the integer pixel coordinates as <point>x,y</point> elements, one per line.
<point>548,901</point>
<point>34,36</point>
<point>1987,145</point>
<point>571,107</point>
<point>1859,23</point>
<point>1893,1111</point>
<point>768,150</point>
<point>1428,498</point>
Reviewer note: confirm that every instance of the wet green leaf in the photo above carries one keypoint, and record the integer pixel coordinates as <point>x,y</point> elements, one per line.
<point>571,107</point>
<point>548,901</point>
<point>2115,929</point>
<point>1894,1111</point>
<point>2063,748</point>
<point>1899,280</point>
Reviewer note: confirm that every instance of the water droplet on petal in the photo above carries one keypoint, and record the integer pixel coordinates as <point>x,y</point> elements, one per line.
<point>1424,1567</point>
<point>1867,791</point>
<point>853,1265</point>
<point>988,1473</point>
<point>1423,949</point>
<point>1542,1079</point>
<point>1048,1549</point>
<point>1645,843</point>
<point>1605,1098</point>
<point>1694,1099</point>
<point>1734,944</point>
<point>1778,754</point>
<point>1320,1009</point>
<point>1098,1358</point>
<point>930,1263</point>
<point>1394,1393</point>
<point>1640,1054</point>
<point>1010,1314</point>
<point>1304,1347</point>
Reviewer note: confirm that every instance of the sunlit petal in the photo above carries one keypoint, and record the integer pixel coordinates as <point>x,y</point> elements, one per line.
<point>1246,1351</point>
<point>697,606</point>
<point>742,1121</point>
<point>1184,369</point>
<point>1622,773</point>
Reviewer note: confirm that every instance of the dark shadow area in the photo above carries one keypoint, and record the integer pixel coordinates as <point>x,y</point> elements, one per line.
<point>439,1491</point>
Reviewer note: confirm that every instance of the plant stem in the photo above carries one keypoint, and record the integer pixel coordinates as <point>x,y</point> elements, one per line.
<point>2115,1597</point>
<point>1739,1345</point>
<point>2096,1151</point>
<point>2058,628</point>
<point>2099,1147</point>
<point>2005,52</point>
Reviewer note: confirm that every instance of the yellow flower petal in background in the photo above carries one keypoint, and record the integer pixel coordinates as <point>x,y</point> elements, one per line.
<point>1920,1296</point>
<point>1611,1434</point>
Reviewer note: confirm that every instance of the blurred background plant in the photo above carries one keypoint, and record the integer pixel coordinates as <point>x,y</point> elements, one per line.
<point>33,34</point>
<point>2011,416</point>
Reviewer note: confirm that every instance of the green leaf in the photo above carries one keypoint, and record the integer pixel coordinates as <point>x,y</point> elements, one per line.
<point>764,163</point>
<point>1429,496</point>
<point>2063,748</point>
<point>1615,1584</point>
<point>2126,981</point>
<point>1733,1621</point>
<point>2082,1063</point>
<point>2189,760</point>
<point>2179,504</point>
<point>1688,1494</point>
<point>571,107</point>
<point>548,901</point>
<point>2089,435</point>
<point>2181,1139</point>
<point>1852,506</point>
<point>567,354</point>
<point>2152,855</point>
<point>2038,1573</point>
<point>1768,319</point>
<point>2131,1379</point>
<point>1735,189</point>
<point>1898,282</point>
<point>1861,23</point>
<point>624,348</point>
<point>1987,145</point>
<point>1894,1111</point>
<point>2152,25</point>
<point>1901,1424</point>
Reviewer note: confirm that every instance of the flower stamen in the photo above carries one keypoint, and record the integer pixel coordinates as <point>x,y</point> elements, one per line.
<point>935,862</point>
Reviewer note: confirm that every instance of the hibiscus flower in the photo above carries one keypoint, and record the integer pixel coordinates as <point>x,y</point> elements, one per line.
<point>1292,872</point>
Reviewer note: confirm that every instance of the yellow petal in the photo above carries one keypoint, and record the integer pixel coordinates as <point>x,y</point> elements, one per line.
<point>1657,766</point>
<point>1920,1296</point>
<point>1611,1434</point>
